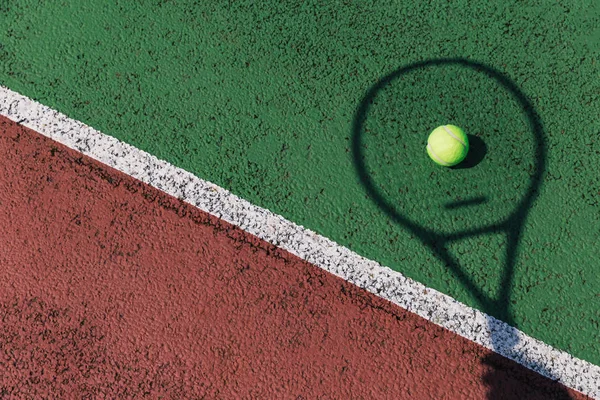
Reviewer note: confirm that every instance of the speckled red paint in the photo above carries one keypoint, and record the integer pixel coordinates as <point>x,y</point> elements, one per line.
<point>111,288</point>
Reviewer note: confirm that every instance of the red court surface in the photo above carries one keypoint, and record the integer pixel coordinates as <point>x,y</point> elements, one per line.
<point>113,289</point>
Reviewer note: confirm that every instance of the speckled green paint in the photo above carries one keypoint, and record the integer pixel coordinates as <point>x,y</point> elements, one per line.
<point>260,97</point>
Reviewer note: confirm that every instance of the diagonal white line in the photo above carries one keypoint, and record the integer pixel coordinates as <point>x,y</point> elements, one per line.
<point>428,303</point>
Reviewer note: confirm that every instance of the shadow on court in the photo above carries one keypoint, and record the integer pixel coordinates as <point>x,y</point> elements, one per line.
<point>377,120</point>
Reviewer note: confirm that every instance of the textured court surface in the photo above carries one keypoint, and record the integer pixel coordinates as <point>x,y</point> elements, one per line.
<point>114,289</point>
<point>260,98</point>
<point>267,101</point>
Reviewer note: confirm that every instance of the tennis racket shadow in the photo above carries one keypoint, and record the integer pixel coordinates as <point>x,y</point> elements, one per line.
<point>505,378</point>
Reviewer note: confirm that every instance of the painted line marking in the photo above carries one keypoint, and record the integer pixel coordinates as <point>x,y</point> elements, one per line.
<point>428,303</point>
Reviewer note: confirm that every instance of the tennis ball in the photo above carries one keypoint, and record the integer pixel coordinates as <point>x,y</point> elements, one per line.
<point>447,145</point>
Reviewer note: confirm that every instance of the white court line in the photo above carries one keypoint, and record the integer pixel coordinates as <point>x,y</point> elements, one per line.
<point>318,250</point>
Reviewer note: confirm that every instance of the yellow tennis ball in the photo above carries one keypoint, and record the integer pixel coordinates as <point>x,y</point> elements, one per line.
<point>447,145</point>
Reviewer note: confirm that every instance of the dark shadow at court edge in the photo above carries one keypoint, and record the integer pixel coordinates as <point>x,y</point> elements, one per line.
<point>506,379</point>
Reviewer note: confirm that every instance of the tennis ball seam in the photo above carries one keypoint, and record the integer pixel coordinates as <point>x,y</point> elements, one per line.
<point>439,160</point>
<point>449,132</point>
<point>455,141</point>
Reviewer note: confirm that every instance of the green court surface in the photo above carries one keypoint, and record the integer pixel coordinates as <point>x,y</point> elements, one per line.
<point>320,111</point>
